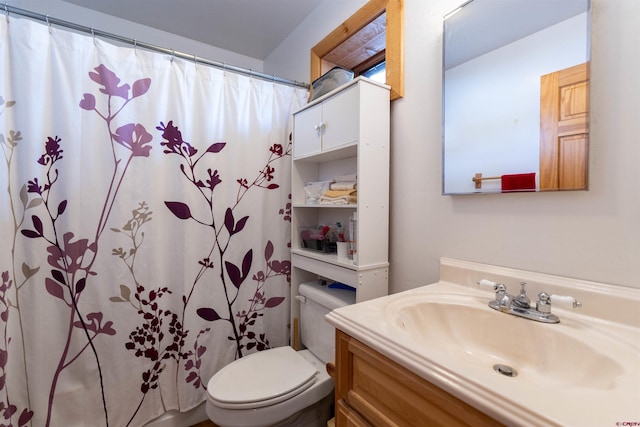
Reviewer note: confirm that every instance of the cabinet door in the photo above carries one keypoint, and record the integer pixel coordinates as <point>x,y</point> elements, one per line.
<point>386,394</point>
<point>341,115</point>
<point>307,131</point>
<point>345,417</point>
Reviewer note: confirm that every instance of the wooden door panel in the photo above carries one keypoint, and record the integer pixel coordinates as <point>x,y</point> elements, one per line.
<point>572,167</point>
<point>564,129</point>
<point>574,102</point>
<point>576,126</point>
<point>548,132</point>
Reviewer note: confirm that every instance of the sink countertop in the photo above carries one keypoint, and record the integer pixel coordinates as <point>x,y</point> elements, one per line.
<point>518,401</point>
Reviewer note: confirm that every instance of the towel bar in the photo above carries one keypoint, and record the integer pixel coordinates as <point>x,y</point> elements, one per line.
<point>478,178</point>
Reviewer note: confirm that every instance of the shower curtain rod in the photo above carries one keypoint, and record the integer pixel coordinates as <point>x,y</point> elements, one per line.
<point>134,42</point>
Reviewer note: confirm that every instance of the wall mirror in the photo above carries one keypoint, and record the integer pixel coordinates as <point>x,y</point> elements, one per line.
<point>516,96</point>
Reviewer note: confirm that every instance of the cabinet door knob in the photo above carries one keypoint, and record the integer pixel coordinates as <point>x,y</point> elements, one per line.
<point>319,126</point>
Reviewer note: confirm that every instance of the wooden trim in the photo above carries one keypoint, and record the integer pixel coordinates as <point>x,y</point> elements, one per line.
<point>344,360</point>
<point>394,51</point>
<point>370,62</point>
<point>331,369</point>
<point>395,47</point>
<point>296,334</point>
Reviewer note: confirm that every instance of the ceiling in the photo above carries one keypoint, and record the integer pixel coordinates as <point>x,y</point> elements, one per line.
<point>249,27</point>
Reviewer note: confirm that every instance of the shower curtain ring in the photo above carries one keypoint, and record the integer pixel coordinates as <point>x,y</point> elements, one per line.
<point>93,34</point>
<point>195,60</point>
<point>173,55</point>
<point>135,46</point>
<point>6,10</point>
<point>48,23</point>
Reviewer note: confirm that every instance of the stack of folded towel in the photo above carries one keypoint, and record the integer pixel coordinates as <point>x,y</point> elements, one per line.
<point>342,191</point>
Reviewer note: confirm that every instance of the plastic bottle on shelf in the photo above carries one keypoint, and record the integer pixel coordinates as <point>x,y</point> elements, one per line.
<point>353,238</point>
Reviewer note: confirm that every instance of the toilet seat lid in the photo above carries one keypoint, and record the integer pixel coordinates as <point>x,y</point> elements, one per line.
<point>264,377</point>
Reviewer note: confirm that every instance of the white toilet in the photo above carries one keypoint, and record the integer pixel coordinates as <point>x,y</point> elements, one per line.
<point>282,387</point>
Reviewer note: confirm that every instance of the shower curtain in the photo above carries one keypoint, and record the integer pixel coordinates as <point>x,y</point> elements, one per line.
<point>144,227</point>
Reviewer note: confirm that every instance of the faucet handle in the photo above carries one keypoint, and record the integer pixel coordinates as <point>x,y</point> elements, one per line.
<point>565,301</point>
<point>500,288</point>
<point>503,299</point>
<point>544,302</point>
<point>543,305</point>
<point>485,283</point>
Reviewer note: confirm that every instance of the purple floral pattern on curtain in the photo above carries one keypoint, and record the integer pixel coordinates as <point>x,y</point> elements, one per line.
<point>49,253</point>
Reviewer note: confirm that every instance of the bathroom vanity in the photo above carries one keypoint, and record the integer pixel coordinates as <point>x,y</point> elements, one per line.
<point>439,355</point>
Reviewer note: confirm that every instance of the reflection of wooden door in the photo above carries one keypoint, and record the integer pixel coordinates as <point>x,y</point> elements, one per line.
<point>564,129</point>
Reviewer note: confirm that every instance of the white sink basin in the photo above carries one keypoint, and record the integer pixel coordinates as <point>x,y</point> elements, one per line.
<point>582,371</point>
<point>466,329</point>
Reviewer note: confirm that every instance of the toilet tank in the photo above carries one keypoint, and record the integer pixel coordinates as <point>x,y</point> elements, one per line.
<point>318,335</point>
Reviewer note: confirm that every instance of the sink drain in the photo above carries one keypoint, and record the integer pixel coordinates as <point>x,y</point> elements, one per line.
<point>505,370</point>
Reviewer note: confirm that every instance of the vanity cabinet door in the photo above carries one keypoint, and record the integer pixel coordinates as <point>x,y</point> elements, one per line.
<point>385,394</point>
<point>346,417</point>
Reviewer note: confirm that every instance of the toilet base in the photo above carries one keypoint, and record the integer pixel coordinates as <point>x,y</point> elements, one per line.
<point>315,415</point>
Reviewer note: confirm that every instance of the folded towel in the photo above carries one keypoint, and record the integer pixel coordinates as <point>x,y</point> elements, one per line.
<point>313,191</point>
<point>343,185</point>
<point>347,177</point>
<point>342,200</point>
<point>519,182</point>
<point>339,193</point>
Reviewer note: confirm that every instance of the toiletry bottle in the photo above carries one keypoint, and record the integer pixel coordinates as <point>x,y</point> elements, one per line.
<point>353,238</point>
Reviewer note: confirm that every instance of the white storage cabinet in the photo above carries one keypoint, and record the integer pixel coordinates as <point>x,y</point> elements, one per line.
<point>344,132</point>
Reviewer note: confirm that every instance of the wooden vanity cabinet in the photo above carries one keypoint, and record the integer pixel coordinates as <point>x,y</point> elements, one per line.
<point>372,390</point>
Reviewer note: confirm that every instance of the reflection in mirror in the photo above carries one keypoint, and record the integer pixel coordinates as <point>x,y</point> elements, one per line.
<point>516,96</point>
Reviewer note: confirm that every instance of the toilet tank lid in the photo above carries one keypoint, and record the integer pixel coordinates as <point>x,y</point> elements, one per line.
<point>327,297</point>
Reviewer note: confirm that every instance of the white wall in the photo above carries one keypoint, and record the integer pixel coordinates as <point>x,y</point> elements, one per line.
<point>100,21</point>
<point>593,235</point>
<point>291,59</point>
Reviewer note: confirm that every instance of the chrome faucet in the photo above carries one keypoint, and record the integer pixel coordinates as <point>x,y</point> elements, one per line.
<point>521,305</point>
